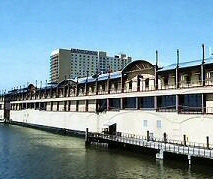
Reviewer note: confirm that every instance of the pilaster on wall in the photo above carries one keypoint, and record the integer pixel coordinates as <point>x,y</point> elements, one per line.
<point>156,102</point>
<point>203,67</point>
<point>108,107</point>
<point>156,71</point>
<point>122,105</point>
<point>86,105</point>
<point>136,103</point>
<point>177,103</point>
<point>203,104</point>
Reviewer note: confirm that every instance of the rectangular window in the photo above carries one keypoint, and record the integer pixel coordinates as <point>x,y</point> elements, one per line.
<point>159,124</point>
<point>145,123</point>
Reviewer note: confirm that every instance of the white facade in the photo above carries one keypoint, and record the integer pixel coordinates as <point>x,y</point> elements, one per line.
<point>195,127</point>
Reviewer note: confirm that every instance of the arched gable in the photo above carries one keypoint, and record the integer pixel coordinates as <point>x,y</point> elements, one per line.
<point>138,67</point>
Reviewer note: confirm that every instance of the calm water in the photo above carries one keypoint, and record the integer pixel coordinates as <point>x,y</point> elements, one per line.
<point>29,153</point>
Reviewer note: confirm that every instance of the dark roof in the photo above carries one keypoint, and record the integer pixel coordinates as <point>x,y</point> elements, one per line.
<point>187,64</point>
<point>101,77</point>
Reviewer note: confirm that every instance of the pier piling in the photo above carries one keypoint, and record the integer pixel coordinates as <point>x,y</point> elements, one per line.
<point>147,135</point>
<point>207,142</point>
<point>165,137</point>
<point>87,141</point>
<point>189,159</point>
<point>184,140</point>
<point>160,155</point>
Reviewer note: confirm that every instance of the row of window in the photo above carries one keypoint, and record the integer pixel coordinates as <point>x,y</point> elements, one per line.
<point>187,77</point>
<point>192,100</point>
<point>84,56</point>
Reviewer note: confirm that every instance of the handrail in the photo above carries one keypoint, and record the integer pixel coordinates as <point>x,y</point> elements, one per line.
<point>153,139</point>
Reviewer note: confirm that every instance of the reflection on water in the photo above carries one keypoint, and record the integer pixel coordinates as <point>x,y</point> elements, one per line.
<point>28,153</point>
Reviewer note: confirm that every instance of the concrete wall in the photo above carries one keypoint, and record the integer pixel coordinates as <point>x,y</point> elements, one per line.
<point>69,120</point>
<point>195,127</point>
<point>175,125</point>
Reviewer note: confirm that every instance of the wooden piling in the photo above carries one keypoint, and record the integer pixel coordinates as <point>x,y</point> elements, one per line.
<point>87,141</point>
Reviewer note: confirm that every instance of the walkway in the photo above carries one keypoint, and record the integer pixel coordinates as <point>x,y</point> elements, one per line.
<point>172,147</point>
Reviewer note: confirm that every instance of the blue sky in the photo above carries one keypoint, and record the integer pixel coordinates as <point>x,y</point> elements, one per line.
<point>31,30</point>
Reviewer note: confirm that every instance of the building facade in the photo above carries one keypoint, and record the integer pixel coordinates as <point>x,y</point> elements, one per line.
<point>112,64</point>
<point>74,63</point>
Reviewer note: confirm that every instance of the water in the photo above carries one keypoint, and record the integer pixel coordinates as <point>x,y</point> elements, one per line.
<point>32,154</point>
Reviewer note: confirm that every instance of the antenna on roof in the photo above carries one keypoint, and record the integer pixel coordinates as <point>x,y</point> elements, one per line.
<point>203,47</point>
<point>178,57</point>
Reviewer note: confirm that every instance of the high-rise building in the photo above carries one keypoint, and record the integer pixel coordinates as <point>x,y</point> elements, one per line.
<point>112,64</point>
<point>59,65</point>
<point>74,63</point>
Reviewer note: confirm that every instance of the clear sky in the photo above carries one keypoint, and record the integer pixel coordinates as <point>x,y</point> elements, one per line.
<point>31,29</point>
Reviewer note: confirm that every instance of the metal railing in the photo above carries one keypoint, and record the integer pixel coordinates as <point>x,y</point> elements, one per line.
<point>133,137</point>
<point>175,146</point>
<point>167,109</point>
